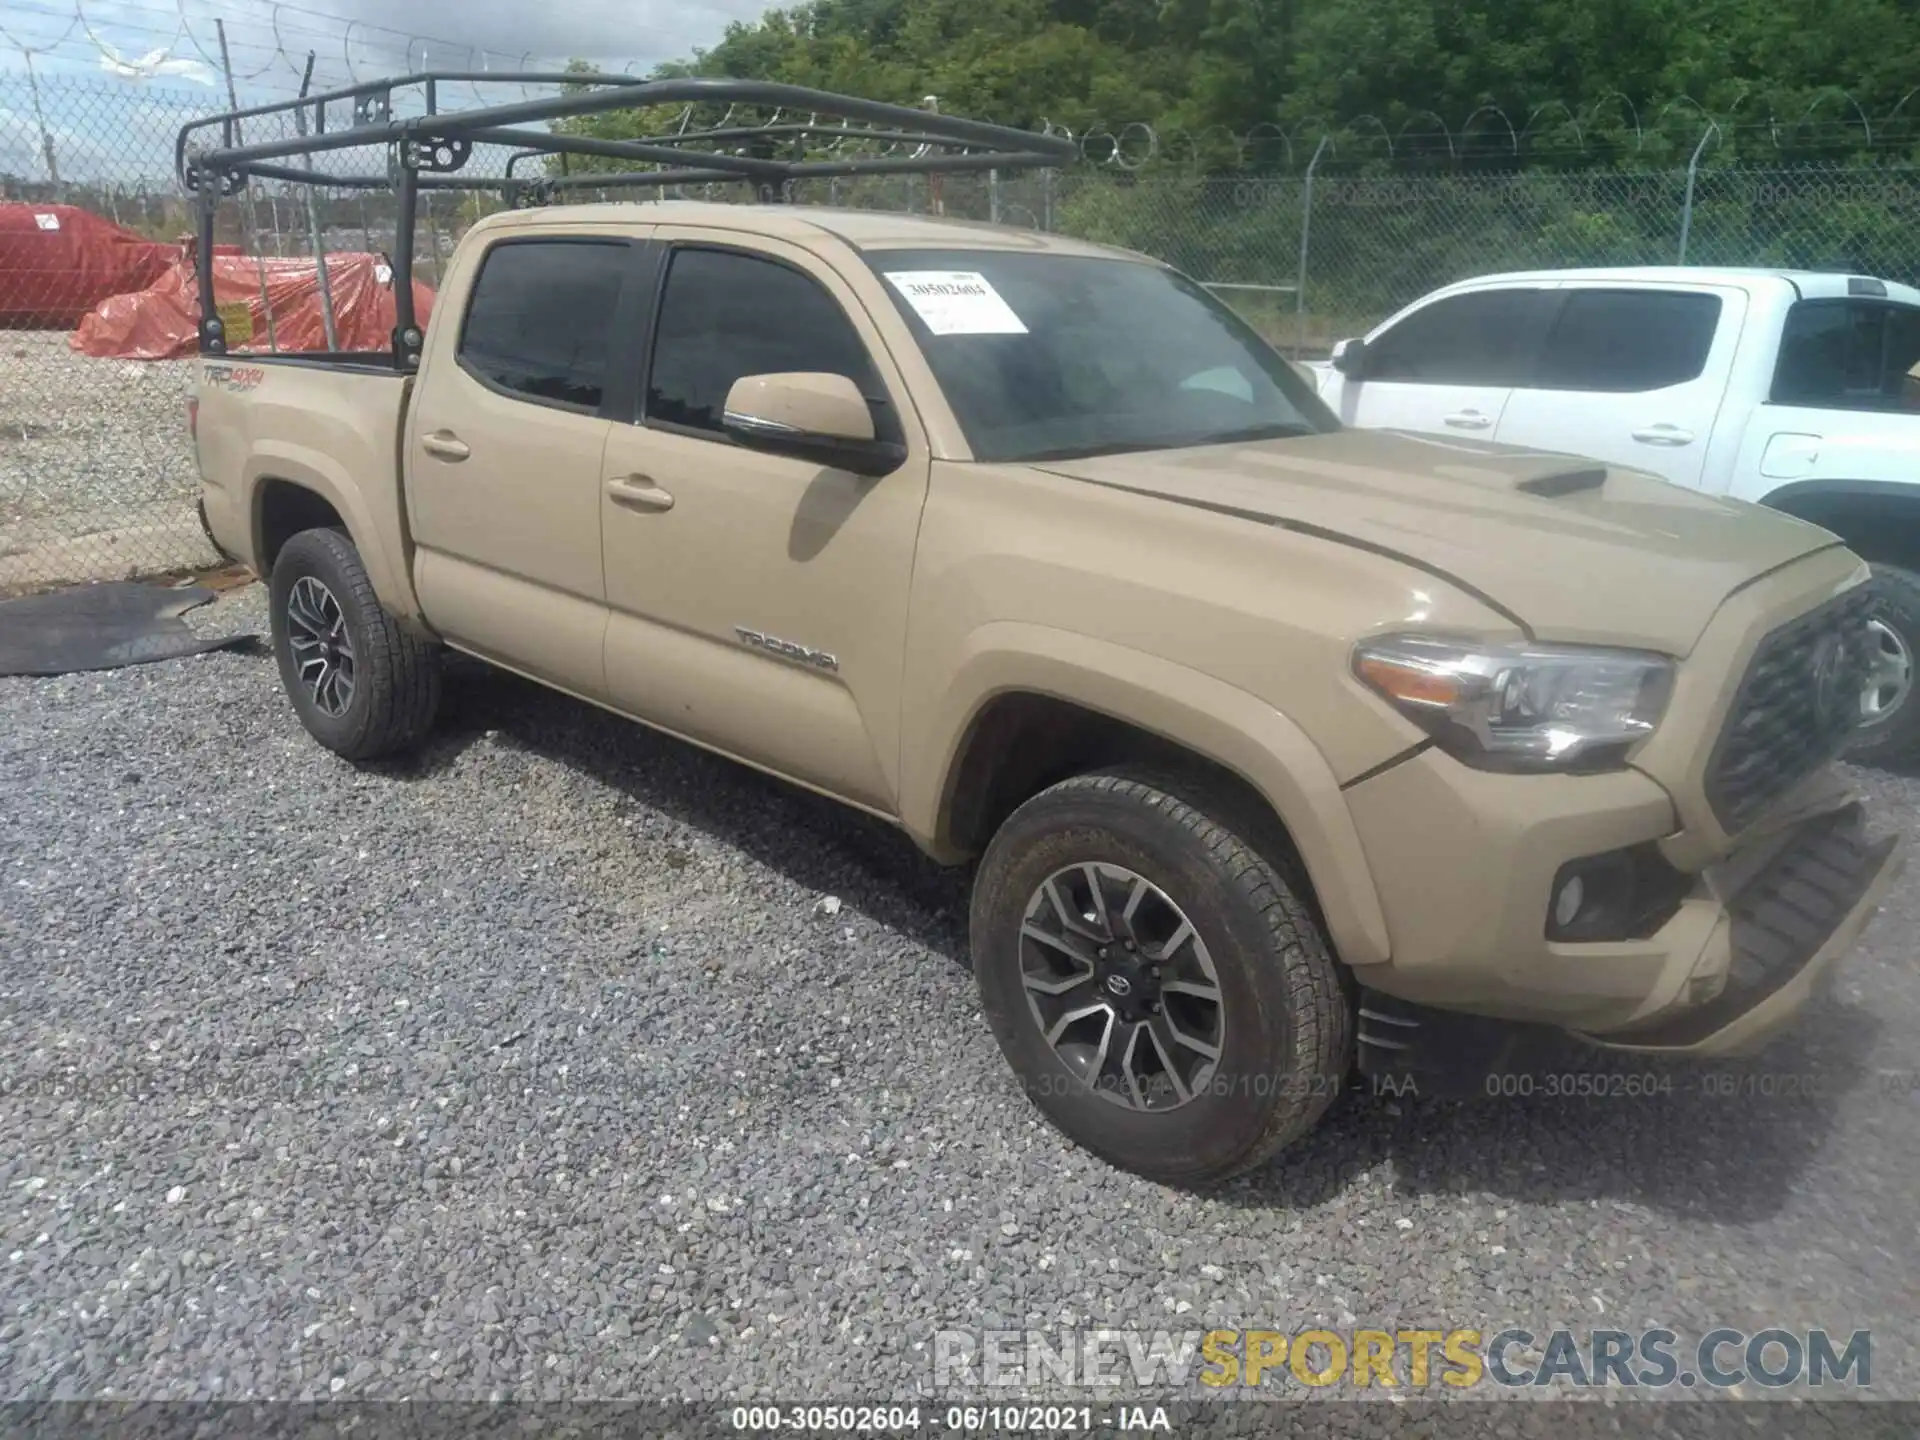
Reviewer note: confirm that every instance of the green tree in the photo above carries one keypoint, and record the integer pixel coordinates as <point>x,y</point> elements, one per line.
<point>1637,72</point>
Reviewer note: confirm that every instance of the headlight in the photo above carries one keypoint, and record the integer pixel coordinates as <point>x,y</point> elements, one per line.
<point>1520,707</point>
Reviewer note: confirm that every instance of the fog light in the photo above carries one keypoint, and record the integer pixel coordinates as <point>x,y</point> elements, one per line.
<point>1621,895</point>
<point>1566,905</point>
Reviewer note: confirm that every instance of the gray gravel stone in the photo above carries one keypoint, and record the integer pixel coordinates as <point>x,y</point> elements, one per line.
<point>527,1066</point>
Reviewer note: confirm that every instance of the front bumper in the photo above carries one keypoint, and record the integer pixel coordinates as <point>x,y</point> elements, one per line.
<point>1465,863</point>
<point>1783,929</point>
<point>1795,916</point>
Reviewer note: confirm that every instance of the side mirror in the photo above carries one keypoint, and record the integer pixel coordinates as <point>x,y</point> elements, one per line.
<point>809,415</point>
<point>1350,357</point>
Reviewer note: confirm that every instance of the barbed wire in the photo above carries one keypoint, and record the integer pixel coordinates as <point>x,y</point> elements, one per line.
<point>1832,118</point>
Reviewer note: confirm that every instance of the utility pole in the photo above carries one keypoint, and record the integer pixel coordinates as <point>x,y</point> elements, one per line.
<point>46,135</point>
<point>313,216</point>
<point>253,215</point>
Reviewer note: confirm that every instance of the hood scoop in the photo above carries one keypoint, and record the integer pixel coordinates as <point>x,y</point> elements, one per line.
<point>1564,482</point>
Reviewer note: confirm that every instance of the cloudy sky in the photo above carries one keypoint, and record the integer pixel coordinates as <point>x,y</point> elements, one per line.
<point>619,31</point>
<point>369,37</point>
<point>117,77</point>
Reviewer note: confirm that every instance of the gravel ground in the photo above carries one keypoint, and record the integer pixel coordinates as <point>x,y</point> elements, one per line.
<point>97,479</point>
<point>542,1065</point>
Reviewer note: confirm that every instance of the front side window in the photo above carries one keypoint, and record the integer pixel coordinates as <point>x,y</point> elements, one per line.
<point>540,323</point>
<point>1486,337</point>
<point>1849,355</point>
<point>725,315</point>
<point>1052,356</point>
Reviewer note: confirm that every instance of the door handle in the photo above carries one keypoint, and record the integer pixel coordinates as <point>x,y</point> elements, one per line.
<point>1467,420</point>
<point>638,492</point>
<point>1664,435</point>
<point>445,444</point>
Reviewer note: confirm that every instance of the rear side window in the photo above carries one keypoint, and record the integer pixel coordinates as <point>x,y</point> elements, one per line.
<point>725,315</point>
<point>540,323</point>
<point>1628,340</point>
<point>1849,355</point>
<point>1485,338</point>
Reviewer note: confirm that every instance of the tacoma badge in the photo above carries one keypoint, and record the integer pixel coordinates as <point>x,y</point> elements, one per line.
<point>818,659</point>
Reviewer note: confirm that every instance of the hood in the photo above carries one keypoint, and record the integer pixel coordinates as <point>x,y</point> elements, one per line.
<point>1569,549</point>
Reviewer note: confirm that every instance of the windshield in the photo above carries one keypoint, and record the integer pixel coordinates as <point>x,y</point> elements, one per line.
<point>1048,356</point>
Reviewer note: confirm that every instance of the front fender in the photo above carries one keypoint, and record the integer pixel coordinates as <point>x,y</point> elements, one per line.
<point>1212,719</point>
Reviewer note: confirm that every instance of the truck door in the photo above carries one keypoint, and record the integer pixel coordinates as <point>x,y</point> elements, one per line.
<point>503,453</point>
<point>1631,375</point>
<point>1445,368</point>
<point>759,602</point>
<point>1843,407</point>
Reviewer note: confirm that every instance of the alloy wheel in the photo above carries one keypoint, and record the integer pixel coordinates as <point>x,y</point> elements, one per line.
<point>322,648</point>
<point>1122,986</point>
<point>1889,673</point>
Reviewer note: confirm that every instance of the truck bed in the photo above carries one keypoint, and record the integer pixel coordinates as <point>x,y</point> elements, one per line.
<point>330,424</point>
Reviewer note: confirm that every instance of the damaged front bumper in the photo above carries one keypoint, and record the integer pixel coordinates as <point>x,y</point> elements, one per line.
<point>1782,916</point>
<point>1783,925</point>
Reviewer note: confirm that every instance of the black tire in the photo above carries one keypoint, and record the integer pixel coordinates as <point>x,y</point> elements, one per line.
<point>1285,1050</point>
<point>1894,738</point>
<point>395,686</point>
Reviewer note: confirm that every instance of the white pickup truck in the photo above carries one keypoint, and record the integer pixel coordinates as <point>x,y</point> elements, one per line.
<point>1789,388</point>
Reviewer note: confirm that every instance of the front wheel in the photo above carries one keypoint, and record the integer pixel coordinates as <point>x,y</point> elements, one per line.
<point>1159,986</point>
<point>1889,732</point>
<point>362,685</point>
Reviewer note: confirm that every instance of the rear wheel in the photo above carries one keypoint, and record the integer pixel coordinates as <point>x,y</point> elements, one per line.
<point>1160,987</point>
<point>362,685</point>
<point>1889,717</point>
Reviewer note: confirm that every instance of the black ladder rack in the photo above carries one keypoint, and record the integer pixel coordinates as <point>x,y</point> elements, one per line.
<point>430,148</point>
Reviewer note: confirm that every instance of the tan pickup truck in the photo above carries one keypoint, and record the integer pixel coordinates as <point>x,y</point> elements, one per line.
<point>1275,741</point>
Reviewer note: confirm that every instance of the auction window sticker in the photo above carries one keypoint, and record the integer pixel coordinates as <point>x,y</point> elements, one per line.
<point>956,302</point>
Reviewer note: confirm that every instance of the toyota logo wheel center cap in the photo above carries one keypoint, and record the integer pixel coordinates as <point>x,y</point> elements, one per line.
<point>1128,982</point>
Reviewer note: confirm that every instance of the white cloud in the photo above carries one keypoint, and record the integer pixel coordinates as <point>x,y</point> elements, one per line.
<point>617,31</point>
<point>363,39</point>
<point>117,83</point>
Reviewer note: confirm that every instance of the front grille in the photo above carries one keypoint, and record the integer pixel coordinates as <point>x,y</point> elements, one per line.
<point>1796,707</point>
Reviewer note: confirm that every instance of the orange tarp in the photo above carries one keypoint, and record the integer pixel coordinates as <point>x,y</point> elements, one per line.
<point>162,322</point>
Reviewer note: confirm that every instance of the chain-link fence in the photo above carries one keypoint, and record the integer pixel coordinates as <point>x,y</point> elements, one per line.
<point>97,477</point>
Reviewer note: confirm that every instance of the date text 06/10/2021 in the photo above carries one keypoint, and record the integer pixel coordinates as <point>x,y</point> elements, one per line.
<point>1000,1419</point>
